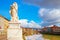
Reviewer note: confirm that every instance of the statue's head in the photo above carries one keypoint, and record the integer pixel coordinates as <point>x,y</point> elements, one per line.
<point>15,5</point>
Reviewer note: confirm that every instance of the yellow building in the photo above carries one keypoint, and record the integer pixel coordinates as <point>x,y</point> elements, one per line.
<point>3,23</point>
<point>28,32</point>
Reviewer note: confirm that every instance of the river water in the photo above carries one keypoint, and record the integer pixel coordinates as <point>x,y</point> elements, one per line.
<point>43,37</point>
<point>51,37</point>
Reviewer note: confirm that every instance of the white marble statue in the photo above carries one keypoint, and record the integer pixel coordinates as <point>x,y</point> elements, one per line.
<point>13,12</point>
<point>14,31</point>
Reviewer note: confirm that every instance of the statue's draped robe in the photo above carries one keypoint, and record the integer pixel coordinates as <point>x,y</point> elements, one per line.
<point>13,12</point>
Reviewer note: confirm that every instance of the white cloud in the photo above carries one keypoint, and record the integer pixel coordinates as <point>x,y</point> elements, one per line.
<point>24,22</point>
<point>31,24</point>
<point>50,16</point>
<point>34,25</point>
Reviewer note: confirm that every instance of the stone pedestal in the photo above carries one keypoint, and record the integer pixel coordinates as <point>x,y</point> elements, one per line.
<point>14,32</point>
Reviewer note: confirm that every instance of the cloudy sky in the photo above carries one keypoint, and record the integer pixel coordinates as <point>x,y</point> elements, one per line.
<point>49,11</point>
<point>34,12</point>
<point>29,24</point>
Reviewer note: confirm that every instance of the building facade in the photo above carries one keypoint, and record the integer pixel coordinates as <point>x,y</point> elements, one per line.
<point>3,23</point>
